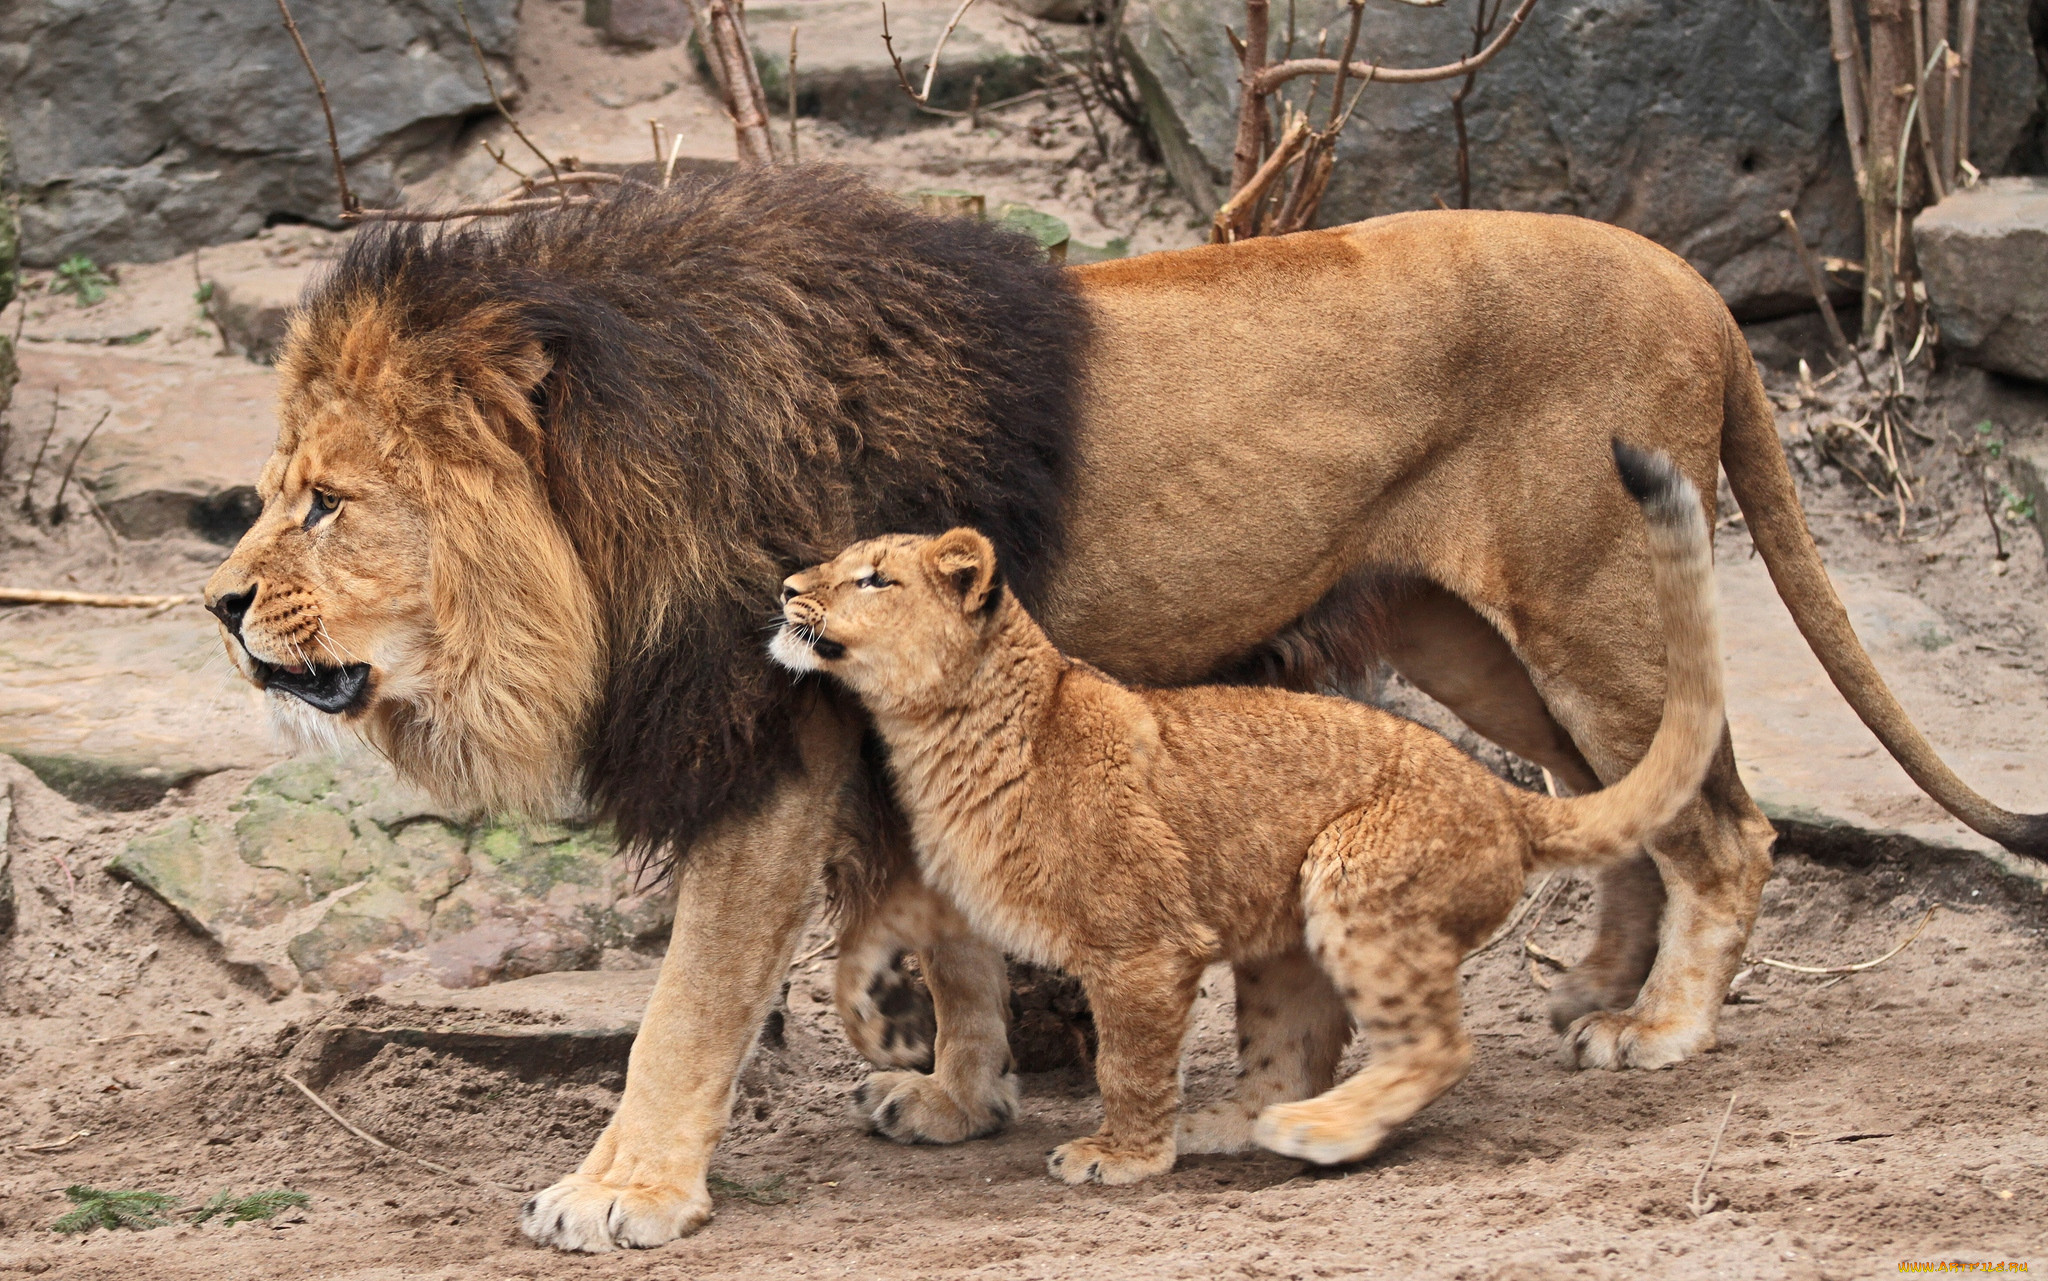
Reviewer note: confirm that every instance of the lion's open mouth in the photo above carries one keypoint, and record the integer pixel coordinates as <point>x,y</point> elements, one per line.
<point>330,689</point>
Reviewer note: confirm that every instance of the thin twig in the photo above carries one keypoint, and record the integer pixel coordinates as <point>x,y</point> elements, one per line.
<point>931,66</point>
<point>1515,918</point>
<point>1281,72</point>
<point>1857,968</point>
<point>1818,284</point>
<point>491,84</point>
<point>376,1142</point>
<point>1700,1210</point>
<point>55,1145</point>
<point>28,489</point>
<point>102,600</point>
<point>814,953</point>
<point>348,200</point>
<point>790,78</point>
<point>57,503</point>
<point>472,211</point>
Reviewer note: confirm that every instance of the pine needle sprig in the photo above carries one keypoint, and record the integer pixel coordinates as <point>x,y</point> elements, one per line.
<point>95,1208</point>
<point>249,1209</point>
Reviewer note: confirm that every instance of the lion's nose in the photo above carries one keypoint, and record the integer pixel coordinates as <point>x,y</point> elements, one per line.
<point>789,592</point>
<point>230,608</point>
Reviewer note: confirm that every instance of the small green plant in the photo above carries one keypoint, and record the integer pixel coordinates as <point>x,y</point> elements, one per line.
<point>81,276</point>
<point>97,1209</point>
<point>766,1192</point>
<point>248,1209</point>
<point>93,1208</point>
<point>1992,444</point>
<point>2018,506</point>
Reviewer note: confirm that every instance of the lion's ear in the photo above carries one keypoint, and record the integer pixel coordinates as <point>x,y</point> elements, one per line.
<point>505,380</point>
<point>968,561</point>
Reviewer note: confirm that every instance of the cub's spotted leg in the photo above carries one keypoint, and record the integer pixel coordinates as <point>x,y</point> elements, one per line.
<point>1396,971</point>
<point>1141,1006</point>
<point>1291,1031</point>
<point>969,1092</point>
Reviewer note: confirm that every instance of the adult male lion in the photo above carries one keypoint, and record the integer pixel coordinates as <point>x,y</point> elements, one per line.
<point>536,483</point>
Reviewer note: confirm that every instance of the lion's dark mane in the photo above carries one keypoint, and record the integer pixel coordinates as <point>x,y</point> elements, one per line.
<point>747,374</point>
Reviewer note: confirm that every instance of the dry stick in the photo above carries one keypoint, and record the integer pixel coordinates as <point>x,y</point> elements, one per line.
<point>654,131</point>
<point>1959,111</point>
<point>376,1142</point>
<point>1916,18</point>
<point>526,180</point>
<point>1848,55</point>
<point>1934,21</point>
<point>1252,124</point>
<point>1860,966</point>
<point>28,489</point>
<point>491,84</point>
<point>745,101</point>
<point>1223,229</point>
<point>348,200</point>
<point>1484,14</point>
<point>1698,1185</point>
<point>1818,283</point>
<point>57,503</point>
<point>38,596</point>
<point>668,170</point>
<point>791,78</point>
<point>471,211</point>
<point>1515,918</point>
<point>1281,72</point>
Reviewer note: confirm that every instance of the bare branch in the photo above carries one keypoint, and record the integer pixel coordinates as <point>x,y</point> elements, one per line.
<point>1237,210</point>
<point>1848,55</point>
<point>348,200</point>
<point>36,596</point>
<point>497,210</point>
<point>1280,73</point>
<point>789,80</point>
<point>931,66</point>
<point>1816,282</point>
<point>491,84</point>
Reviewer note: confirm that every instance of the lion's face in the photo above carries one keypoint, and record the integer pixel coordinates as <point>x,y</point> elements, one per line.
<point>407,580</point>
<point>899,619</point>
<point>324,604</point>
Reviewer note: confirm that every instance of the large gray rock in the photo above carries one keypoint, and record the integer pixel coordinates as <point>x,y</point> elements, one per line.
<point>332,876</point>
<point>1691,121</point>
<point>1984,255</point>
<point>143,128</point>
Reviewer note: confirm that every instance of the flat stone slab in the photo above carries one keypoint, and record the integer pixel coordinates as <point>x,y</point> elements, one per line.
<point>182,443</point>
<point>114,707</point>
<point>551,1024</point>
<point>1810,762</point>
<point>330,875</point>
<point>843,72</point>
<point>1984,254</point>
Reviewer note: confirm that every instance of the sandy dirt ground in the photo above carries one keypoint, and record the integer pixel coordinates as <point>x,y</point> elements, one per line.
<point>1882,1116</point>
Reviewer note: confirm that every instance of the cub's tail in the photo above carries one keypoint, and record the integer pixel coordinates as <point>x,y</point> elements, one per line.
<point>1614,822</point>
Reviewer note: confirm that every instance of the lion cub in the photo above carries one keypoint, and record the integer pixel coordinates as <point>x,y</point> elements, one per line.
<point>1133,836</point>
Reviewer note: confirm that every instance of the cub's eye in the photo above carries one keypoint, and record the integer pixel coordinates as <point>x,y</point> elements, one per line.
<point>322,506</point>
<point>871,580</point>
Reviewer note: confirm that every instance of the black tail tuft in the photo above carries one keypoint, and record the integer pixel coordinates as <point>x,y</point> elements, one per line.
<point>1649,477</point>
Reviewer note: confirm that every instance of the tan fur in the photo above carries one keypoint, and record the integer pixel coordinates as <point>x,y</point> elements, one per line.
<point>1134,836</point>
<point>443,569</point>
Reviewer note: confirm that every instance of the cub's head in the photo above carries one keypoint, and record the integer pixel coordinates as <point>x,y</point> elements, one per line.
<point>900,619</point>
<point>407,581</point>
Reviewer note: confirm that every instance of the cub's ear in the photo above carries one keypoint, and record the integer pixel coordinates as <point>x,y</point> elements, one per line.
<point>968,561</point>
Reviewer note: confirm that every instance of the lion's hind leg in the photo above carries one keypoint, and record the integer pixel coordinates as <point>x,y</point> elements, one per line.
<point>1395,964</point>
<point>1291,1031</point>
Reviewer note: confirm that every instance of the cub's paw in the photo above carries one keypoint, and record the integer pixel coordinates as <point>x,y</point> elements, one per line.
<point>912,1107</point>
<point>1317,1130</point>
<point>1617,1040</point>
<point>1091,1160</point>
<point>589,1216</point>
<point>1216,1128</point>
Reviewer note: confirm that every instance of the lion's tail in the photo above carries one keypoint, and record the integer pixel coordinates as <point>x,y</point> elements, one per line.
<point>1755,463</point>
<point>1614,822</point>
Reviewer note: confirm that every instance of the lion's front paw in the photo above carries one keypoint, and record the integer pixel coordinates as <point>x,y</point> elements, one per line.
<point>1222,1127</point>
<point>1094,1160</point>
<point>912,1107</point>
<point>590,1216</point>
<point>1618,1040</point>
<point>1588,988</point>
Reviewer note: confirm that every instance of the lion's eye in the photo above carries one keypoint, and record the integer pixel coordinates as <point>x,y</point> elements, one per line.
<point>871,580</point>
<point>322,506</point>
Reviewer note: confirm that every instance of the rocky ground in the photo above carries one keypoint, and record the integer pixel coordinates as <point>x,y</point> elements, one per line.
<point>188,916</point>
